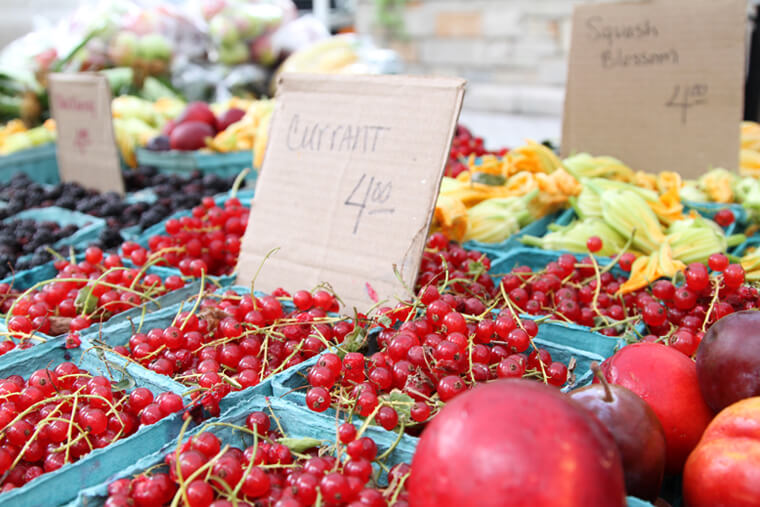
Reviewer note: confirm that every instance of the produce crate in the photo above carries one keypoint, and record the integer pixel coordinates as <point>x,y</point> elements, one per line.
<point>134,233</point>
<point>89,226</point>
<point>146,195</point>
<point>296,422</point>
<point>709,209</point>
<point>141,237</point>
<point>537,228</point>
<point>536,258</point>
<point>749,243</point>
<point>183,162</point>
<point>563,341</point>
<point>63,485</point>
<point>39,163</point>
<point>578,336</point>
<point>26,279</point>
<point>118,331</point>
<point>566,341</point>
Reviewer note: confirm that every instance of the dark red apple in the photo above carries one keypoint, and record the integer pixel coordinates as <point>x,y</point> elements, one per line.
<point>190,136</point>
<point>728,360</point>
<point>197,111</point>
<point>636,430</point>
<point>667,380</point>
<point>518,443</point>
<point>168,127</point>
<point>229,117</point>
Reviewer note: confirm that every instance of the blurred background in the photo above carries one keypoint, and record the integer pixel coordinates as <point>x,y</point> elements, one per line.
<point>512,52</point>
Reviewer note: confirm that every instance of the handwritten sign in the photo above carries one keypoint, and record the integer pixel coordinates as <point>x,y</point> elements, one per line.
<point>376,193</point>
<point>86,147</point>
<point>657,84</point>
<point>349,183</point>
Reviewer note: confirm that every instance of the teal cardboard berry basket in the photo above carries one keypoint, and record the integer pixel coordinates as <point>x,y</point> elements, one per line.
<point>536,228</point>
<point>296,422</point>
<point>89,227</point>
<point>64,484</point>
<point>183,162</point>
<point>39,163</point>
<point>25,280</point>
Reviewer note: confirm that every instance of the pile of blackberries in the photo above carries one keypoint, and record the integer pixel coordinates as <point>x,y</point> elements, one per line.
<point>173,191</point>
<point>31,240</point>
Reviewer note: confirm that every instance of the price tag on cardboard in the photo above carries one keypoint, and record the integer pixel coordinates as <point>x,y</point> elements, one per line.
<point>349,184</point>
<point>86,146</point>
<point>657,84</point>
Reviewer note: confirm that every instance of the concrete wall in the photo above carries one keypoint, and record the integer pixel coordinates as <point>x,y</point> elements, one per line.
<point>512,52</point>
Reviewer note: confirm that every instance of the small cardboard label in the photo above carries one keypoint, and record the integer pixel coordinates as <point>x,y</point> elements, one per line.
<point>657,84</point>
<point>86,146</point>
<point>349,184</point>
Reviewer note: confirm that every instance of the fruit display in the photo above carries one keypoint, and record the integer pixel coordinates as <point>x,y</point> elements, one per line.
<point>132,45</point>
<point>267,456</point>
<point>172,192</point>
<point>207,241</point>
<point>234,341</point>
<point>58,415</point>
<point>560,304</point>
<point>514,419</point>
<point>236,125</point>
<point>232,125</point>
<point>25,242</point>
<point>723,468</point>
<point>243,31</point>
<point>80,294</point>
<point>15,136</point>
<point>207,50</point>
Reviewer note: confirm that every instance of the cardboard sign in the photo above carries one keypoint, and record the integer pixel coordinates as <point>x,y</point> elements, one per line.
<point>349,183</point>
<point>657,84</point>
<point>81,107</point>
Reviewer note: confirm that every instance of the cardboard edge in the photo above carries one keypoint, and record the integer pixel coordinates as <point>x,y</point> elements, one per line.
<point>102,85</point>
<point>457,84</point>
<point>297,81</point>
<point>418,242</point>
